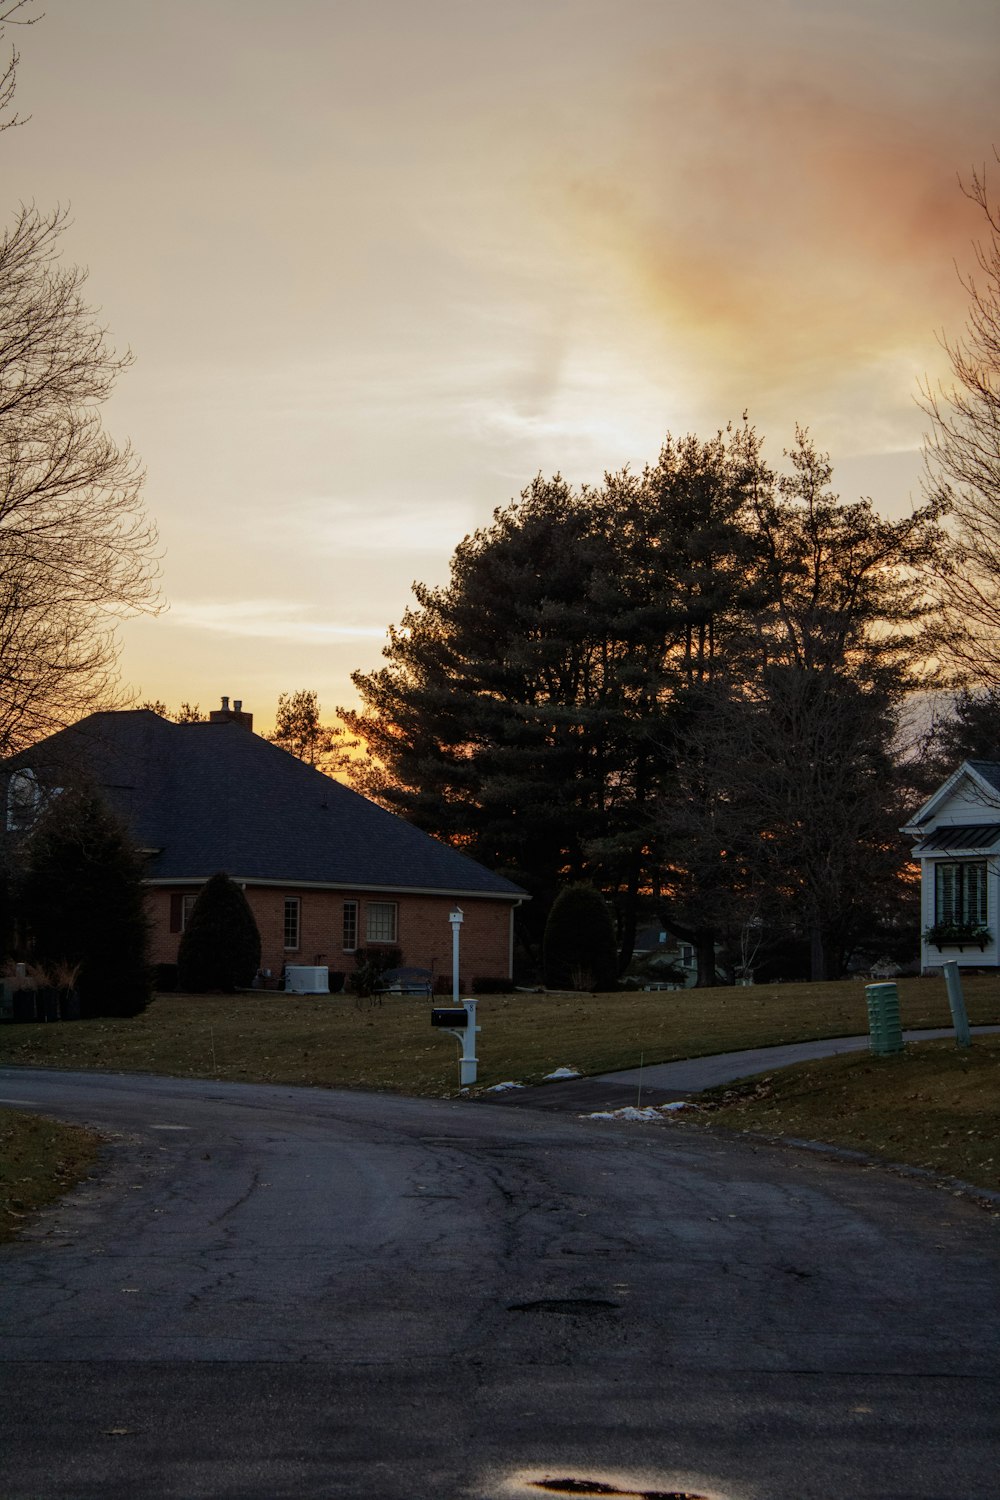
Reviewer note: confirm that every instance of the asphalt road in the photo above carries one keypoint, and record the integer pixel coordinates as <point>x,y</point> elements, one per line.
<point>282,1292</point>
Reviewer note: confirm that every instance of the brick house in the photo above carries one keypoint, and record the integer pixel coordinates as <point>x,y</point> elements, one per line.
<point>325,870</point>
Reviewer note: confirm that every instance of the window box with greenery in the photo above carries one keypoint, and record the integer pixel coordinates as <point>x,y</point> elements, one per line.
<point>959,935</point>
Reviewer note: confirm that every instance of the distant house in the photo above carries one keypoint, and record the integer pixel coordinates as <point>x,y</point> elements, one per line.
<point>325,871</point>
<point>957,842</point>
<point>656,947</point>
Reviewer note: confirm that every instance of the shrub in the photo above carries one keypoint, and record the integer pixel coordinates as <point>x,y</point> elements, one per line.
<point>442,985</point>
<point>164,978</point>
<point>82,902</point>
<point>487,984</point>
<point>220,948</point>
<point>579,949</point>
<point>369,966</point>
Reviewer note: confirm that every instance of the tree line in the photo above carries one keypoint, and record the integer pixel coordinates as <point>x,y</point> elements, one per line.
<point>684,686</point>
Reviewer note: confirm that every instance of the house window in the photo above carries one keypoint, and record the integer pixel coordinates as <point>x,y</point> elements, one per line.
<point>23,797</point>
<point>291,922</point>
<point>350,926</point>
<point>181,907</point>
<point>960,893</point>
<point>380,922</point>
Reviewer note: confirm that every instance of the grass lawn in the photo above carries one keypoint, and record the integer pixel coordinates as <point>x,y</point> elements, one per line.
<point>934,1106</point>
<point>332,1043</point>
<point>39,1159</point>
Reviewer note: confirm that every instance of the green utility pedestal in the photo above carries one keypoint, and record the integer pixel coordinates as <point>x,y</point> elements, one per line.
<point>884,1029</point>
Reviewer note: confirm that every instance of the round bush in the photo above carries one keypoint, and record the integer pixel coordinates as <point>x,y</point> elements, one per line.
<point>220,948</point>
<point>579,950</point>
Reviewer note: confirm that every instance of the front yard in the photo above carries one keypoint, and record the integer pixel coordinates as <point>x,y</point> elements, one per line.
<point>332,1043</point>
<point>935,1107</point>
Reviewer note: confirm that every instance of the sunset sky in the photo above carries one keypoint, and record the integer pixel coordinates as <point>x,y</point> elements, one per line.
<point>381,261</point>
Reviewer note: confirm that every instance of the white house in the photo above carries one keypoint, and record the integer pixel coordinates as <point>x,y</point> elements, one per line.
<point>957,841</point>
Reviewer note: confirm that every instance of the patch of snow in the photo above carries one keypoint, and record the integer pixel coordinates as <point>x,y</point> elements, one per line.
<point>645,1112</point>
<point>563,1073</point>
<point>499,1088</point>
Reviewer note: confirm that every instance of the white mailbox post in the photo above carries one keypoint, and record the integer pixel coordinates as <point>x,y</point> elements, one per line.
<point>460,1021</point>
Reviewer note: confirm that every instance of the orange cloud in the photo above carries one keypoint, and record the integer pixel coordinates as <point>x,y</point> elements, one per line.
<point>783,228</point>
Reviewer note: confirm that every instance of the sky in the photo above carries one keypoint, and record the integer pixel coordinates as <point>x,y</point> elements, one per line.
<point>380,262</point>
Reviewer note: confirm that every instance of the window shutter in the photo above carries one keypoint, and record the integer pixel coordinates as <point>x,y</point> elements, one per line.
<point>176,911</point>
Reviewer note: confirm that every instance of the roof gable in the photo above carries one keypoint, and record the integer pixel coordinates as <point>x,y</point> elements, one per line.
<point>974,785</point>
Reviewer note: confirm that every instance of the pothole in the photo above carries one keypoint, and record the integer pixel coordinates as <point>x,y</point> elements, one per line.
<point>598,1487</point>
<point>569,1306</point>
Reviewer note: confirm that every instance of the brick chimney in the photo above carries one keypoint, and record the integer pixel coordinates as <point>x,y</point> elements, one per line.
<point>235,715</point>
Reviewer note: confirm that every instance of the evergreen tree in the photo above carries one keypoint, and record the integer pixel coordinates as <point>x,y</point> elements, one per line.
<point>220,946</point>
<point>524,711</point>
<point>299,729</point>
<point>81,899</point>
<point>580,950</point>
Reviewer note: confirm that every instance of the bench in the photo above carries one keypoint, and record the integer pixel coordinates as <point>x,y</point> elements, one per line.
<point>406,982</point>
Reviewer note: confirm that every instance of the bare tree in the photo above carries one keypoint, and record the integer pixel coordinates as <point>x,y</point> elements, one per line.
<point>77,552</point>
<point>962,454</point>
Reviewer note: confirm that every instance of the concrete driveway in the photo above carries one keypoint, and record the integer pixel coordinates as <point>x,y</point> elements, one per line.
<point>291,1292</point>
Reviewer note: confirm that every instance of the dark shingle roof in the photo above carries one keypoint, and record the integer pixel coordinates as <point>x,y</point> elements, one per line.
<point>212,797</point>
<point>960,836</point>
<point>989,770</point>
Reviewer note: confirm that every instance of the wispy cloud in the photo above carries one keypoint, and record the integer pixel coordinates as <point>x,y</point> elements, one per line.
<point>266,619</point>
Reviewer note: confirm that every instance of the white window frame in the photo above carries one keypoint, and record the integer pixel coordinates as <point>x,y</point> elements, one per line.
<point>380,917</point>
<point>24,797</point>
<point>960,892</point>
<point>349,921</point>
<point>293,905</point>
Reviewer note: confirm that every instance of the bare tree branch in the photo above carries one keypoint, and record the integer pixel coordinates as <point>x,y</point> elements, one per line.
<point>962,455</point>
<point>8,78</point>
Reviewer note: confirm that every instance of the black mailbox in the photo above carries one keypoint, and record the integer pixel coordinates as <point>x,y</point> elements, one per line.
<point>457,1018</point>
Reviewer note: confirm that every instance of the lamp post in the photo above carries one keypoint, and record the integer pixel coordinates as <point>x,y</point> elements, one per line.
<point>456,917</point>
<point>461,1020</point>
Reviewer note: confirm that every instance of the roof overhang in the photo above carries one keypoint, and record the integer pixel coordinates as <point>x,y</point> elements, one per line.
<point>327,885</point>
<point>960,840</point>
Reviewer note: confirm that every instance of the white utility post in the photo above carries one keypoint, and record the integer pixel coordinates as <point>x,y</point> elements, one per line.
<point>456,917</point>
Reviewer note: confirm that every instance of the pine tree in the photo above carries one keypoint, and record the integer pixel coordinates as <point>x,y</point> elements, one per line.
<point>220,947</point>
<point>580,950</point>
<point>299,729</point>
<point>81,898</point>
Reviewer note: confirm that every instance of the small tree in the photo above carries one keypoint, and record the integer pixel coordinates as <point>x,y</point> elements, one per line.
<point>81,901</point>
<point>220,948</point>
<point>579,947</point>
<point>298,728</point>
